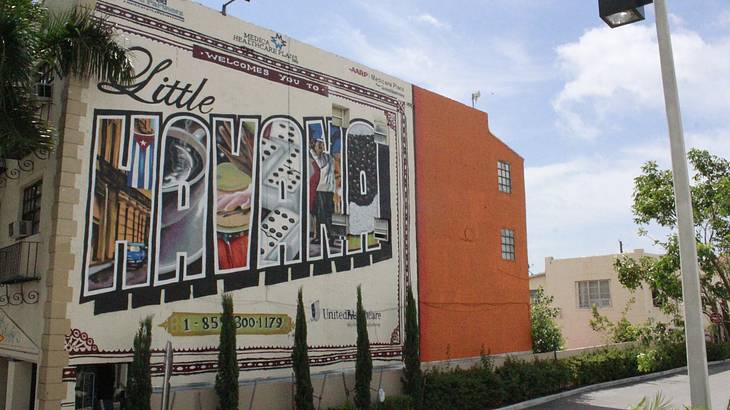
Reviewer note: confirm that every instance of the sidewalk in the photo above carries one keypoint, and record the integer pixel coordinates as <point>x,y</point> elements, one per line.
<point>674,388</point>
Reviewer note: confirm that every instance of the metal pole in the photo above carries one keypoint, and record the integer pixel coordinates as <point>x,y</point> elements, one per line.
<point>165,402</point>
<point>693,328</point>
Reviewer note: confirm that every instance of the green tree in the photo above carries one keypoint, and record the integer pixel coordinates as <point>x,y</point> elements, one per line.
<point>412,375</point>
<point>139,384</point>
<point>622,330</point>
<point>226,381</point>
<point>303,399</point>
<point>37,43</point>
<point>546,335</point>
<point>653,206</point>
<point>364,361</point>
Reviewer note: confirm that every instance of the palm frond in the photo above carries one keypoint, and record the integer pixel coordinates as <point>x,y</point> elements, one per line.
<point>658,403</point>
<point>21,132</point>
<point>18,48</point>
<point>78,43</point>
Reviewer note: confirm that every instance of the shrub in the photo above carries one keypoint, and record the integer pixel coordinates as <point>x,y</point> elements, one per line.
<point>718,351</point>
<point>662,356</point>
<point>395,403</point>
<point>524,380</point>
<point>364,361</point>
<point>226,380</point>
<point>462,389</point>
<point>304,397</point>
<point>546,335</point>
<point>412,376</point>
<point>346,406</point>
<point>139,385</point>
<point>482,387</point>
<point>604,365</point>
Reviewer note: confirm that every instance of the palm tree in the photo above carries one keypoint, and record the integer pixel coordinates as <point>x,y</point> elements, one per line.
<point>37,43</point>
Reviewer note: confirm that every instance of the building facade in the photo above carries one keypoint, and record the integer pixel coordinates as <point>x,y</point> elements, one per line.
<point>472,236</point>
<point>238,160</point>
<point>579,283</point>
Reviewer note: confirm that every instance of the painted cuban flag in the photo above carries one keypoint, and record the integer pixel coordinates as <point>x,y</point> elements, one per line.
<point>142,161</point>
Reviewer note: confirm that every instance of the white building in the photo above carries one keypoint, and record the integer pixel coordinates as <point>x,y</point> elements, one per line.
<point>579,283</point>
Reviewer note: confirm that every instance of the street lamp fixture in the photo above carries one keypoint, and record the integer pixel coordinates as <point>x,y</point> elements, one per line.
<point>618,13</point>
<point>621,12</point>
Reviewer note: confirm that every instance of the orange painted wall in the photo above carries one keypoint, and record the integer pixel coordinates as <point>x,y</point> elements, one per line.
<point>468,296</point>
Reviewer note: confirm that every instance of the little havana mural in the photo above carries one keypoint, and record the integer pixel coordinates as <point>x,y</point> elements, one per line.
<point>181,202</point>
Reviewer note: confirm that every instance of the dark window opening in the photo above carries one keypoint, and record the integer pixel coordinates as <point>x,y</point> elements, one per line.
<point>31,209</point>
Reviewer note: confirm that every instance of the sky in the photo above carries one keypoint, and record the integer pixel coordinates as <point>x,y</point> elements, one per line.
<point>580,102</point>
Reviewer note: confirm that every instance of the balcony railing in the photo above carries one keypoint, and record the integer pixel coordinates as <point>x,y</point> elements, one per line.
<point>19,262</point>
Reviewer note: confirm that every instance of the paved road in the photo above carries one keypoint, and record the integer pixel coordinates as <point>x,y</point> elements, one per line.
<point>674,388</point>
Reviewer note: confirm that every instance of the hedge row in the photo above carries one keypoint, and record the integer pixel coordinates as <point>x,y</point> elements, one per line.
<point>516,381</point>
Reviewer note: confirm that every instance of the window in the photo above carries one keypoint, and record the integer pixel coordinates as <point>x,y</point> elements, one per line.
<point>656,299</point>
<point>508,244</point>
<point>340,116</point>
<point>504,179</point>
<point>32,206</point>
<point>594,292</point>
<point>44,86</point>
<point>533,295</point>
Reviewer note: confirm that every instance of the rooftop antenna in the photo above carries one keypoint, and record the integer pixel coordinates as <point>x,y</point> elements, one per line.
<point>474,97</point>
<point>223,10</point>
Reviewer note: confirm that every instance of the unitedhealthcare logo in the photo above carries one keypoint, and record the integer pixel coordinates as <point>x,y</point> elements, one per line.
<point>324,313</point>
<point>315,310</point>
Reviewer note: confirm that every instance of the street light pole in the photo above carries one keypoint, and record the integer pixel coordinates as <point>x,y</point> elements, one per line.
<point>617,13</point>
<point>693,329</point>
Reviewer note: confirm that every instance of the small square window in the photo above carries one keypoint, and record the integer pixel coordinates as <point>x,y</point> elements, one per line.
<point>508,244</point>
<point>44,86</point>
<point>31,206</point>
<point>504,178</point>
<point>594,292</point>
<point>340,116</point>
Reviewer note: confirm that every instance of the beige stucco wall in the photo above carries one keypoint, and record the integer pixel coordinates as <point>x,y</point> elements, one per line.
<point>560,281</point>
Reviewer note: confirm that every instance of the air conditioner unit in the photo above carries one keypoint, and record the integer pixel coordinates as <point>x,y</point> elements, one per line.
<point>20,229</point>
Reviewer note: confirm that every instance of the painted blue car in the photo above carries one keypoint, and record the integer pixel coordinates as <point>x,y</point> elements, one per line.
<point>136,254</point>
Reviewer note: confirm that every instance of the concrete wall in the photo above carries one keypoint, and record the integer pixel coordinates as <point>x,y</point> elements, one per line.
<point>470,298</point>
<point>560,281</point>
<point>331,389</point>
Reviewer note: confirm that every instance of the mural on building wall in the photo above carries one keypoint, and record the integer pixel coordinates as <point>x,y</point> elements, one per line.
<point>188,220</point>
<point>234,176</point>
<point>119,226</point>
<point>225,166</point>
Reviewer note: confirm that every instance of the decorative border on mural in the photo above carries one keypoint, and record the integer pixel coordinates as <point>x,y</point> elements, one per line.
<point>253,364</point>
<point>201,38</point>
<point>78,343</point>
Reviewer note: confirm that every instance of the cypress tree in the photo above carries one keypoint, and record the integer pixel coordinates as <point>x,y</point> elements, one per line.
<point>304,398</point>
<point>226,381</point>
<point>139,385</point>
<point>413,378</point>
<point>364,363</point>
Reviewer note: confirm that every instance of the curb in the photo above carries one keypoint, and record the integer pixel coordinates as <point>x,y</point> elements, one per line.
<point>598,386</point>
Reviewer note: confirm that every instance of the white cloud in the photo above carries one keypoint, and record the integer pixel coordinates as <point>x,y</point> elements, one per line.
<point>431,20</point>
<point>450,63</point>
<point>582,207</point>
<point>613,73</point>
